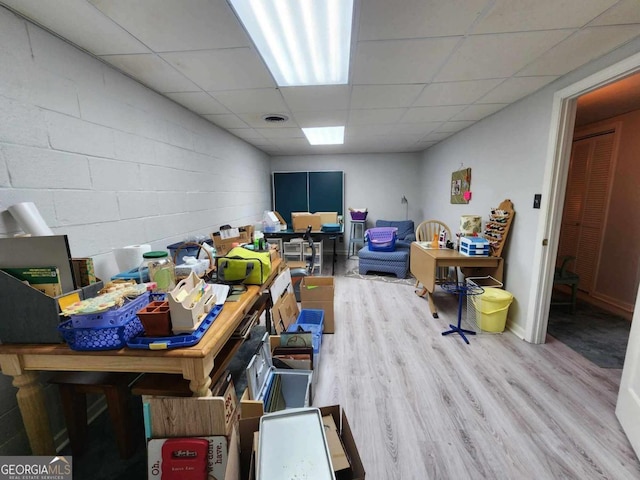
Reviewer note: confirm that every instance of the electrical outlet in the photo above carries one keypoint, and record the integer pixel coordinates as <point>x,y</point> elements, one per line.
<point>537,199</point>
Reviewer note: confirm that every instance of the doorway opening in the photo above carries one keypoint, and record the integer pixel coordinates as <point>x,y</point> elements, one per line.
<point>555,186</point>
<point>600,216</point>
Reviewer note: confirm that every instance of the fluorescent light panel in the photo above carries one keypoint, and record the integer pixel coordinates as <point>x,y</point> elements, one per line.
<point>303,42</point>
<point>325,135</point>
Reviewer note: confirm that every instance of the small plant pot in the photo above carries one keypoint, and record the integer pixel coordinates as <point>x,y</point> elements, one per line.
<point>156,319</point>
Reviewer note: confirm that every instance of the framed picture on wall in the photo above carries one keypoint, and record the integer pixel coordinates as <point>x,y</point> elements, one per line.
<point>461,186</point>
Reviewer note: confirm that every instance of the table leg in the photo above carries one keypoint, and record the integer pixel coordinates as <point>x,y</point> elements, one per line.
<point>34,413</point>
<point>335,256</point>
<point>432,306</point>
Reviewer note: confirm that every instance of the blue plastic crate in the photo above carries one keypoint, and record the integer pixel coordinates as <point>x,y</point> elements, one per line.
<point>113,317</point>
<point>106,338</point>
<point>316,334</point>
<point>381,239</point>
<point>311,316</point>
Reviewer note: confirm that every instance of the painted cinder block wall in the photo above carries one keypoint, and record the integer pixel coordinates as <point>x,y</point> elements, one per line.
<point>109,163</point>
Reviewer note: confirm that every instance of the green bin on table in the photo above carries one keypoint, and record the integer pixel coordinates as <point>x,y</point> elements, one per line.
<point>491,308</point>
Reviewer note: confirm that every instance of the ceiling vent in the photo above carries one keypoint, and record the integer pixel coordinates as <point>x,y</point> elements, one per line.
<point>275,118</point>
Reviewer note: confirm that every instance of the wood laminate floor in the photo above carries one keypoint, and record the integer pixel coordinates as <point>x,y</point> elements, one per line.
<point>423,406</point>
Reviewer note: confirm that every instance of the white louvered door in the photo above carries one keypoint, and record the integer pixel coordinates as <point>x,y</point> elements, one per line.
<point>586,204</point>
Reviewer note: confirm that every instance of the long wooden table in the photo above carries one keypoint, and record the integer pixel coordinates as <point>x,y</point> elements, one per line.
<point>424,264</point>
<point>24,361</point>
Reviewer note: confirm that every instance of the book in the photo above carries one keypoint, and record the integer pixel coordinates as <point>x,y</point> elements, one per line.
<point>44,279</point>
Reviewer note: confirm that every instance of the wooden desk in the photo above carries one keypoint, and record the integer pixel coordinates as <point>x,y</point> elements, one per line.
<point>23,361</point>
<point>424,263</point>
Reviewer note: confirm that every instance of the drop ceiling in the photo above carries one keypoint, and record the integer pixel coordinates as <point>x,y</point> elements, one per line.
<point>421,70</point>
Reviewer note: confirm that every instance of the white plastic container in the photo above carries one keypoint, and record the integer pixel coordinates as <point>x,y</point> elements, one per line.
<point>189,302</point>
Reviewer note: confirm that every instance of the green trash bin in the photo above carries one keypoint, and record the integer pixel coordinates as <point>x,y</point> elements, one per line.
<point>491,308</point>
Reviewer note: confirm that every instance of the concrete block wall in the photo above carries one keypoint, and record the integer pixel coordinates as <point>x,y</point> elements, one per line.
<point>109,163</point>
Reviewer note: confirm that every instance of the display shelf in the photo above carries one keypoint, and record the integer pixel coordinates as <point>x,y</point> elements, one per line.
<point>497,228</point>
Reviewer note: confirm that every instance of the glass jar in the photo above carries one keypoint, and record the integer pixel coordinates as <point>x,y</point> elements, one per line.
<point>161,270</point>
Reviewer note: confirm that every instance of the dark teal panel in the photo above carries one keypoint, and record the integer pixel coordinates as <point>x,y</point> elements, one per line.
<point>326,191</point>
<point>290,194</point>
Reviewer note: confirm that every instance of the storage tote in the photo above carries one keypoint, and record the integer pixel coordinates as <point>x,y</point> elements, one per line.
<point>382,239</point>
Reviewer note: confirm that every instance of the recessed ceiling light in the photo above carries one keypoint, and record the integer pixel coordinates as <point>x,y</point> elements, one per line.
<point>303,42</point>
<point>325,135</point>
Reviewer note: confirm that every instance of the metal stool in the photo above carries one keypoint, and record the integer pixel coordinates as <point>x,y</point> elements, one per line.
<point>356,237</point>
<point>74,387</point>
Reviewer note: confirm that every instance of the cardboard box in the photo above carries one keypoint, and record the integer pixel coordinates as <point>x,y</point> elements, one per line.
<point>317,293</point>
<point>301,220</point>
<point>327,217</point>
<point>225,239</point>
<point>249,426</point>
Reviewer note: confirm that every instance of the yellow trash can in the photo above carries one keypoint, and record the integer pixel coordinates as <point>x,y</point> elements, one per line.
<point>491,308</point>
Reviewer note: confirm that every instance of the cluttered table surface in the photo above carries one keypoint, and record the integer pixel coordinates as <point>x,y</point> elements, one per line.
<point>23,361</point>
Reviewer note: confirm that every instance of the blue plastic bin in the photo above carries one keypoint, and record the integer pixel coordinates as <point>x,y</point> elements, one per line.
<point>316,334</point>
<point>311,316</point>
<point>188,251</point>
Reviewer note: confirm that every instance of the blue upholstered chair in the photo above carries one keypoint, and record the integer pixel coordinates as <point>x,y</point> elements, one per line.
<point>396,262</point>
<point>406,231</point>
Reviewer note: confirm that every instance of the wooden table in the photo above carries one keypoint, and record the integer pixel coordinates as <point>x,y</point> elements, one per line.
<point>23,361</point>
<point>424,264</point>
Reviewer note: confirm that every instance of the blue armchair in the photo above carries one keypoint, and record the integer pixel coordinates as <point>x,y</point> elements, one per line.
<point>406,231</point>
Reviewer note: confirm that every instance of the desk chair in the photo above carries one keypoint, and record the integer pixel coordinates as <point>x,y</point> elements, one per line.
<point>425,232</point>
<point>298,272</point>
<point>562,276</point>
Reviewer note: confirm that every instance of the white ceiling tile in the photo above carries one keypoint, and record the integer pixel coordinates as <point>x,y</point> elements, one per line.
<point>419,129</point>
<point>382,19</point>
<point>247,134</point>
<point>585,45</point>
<point>226,120</point>
<point>198,102</point>
<point>437,136</point>
<point>280,133</point>
<point>384,96</point>
<point>478,112</point>
<point>366,130</point>
<point>431,114</point>
<point>153,71</point>
<point>247,101</point>
<point>526,15</point>
<point>624,12</point>
<point>498,56</point>
<point>171,25</point>
<point>316,98</point>
<point>451,127</point>
<point>515,88</point>
<point>400,61</point>
<point>227,69</point>
<point>455,93</point>
<point>376,116</point>
<point>321,118</point>
<point>256,120</point>
<point>87,27</point>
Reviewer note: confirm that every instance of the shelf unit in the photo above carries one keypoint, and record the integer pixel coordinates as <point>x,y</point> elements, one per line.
<point>497,228</point>
<point>298,251</point>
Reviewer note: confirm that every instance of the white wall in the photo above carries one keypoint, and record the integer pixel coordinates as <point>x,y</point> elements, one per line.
<point>507,153</point>
<point>375,181</point>
<point>109,163</point>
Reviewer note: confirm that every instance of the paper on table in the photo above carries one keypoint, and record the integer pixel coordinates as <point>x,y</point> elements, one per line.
<point>221,292</point>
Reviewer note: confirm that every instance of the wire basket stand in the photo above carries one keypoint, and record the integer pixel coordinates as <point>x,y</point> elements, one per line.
<point>472,317</point>
<point>464,291</point>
